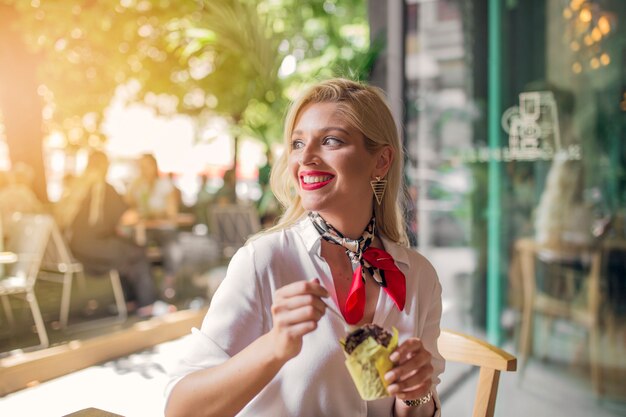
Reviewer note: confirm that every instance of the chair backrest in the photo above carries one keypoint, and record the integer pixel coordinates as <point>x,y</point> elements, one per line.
<point>457,347</point>
<point>562,256</point>
<point>27,237</point>
<point>232,225</point>
<point>613,267</point>
<point>57,255</point>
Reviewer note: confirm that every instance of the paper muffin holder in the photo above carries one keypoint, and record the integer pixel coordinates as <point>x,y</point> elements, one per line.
<point>368,364</point>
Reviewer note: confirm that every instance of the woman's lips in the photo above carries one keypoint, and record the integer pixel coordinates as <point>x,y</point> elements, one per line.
<point>313,180</point>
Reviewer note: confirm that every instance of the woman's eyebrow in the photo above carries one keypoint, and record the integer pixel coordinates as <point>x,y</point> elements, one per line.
<point>324,130</point>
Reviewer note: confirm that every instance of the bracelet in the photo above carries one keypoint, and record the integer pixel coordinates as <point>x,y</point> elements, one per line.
<point>420,401</point>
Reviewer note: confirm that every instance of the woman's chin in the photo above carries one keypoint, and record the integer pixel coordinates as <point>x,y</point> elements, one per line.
<point>329,206</point>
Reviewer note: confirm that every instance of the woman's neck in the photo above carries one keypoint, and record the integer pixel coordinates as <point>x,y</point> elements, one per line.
<point>351,225</point>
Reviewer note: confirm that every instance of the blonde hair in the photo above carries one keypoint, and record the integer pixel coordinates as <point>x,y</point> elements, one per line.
<point>366,109</point>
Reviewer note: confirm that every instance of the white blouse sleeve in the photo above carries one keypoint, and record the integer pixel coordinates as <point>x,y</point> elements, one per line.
<point>235,319</point>
<point>430,335</point>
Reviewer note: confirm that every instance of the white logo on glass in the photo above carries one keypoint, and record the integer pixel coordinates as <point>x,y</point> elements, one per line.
<point>533,126</point>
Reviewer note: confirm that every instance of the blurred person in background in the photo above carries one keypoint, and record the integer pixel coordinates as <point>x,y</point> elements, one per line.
<point>268,345</point>
<point>268,206</point>
<point>17,195</point>
<point>224,196</point>
<point>563,216</point>
<point>156,201</point>
<point>178,195</point>
<point>203,201</point>
<point>152,196</point>
<point>266,170</point>
<point>90,215</point>
<point>227,193</point>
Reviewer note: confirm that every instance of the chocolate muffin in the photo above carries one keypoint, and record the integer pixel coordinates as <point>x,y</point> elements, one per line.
<point>367,351</point>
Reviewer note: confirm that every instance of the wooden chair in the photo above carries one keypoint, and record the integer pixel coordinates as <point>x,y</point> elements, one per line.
<point>552,306</point>
<point>457,347</point>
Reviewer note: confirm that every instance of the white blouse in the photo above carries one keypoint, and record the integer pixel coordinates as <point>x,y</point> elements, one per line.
<point>316,382</point>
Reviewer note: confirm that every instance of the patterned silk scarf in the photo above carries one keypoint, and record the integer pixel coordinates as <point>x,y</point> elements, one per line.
<point>378,263</point>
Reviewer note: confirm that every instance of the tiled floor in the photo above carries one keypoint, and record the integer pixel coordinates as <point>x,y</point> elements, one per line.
<point>546,391</point>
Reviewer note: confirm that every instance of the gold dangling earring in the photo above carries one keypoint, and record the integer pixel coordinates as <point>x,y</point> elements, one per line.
<point>379,185</point>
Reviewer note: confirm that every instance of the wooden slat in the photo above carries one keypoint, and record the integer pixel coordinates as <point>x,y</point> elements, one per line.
<point>93,412</point>
<point>486,393</point>
<point>28,369</point>
<point>457,347</point>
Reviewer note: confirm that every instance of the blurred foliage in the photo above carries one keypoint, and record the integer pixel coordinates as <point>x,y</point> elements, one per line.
<point>87,49</point>
<point>205,58</point>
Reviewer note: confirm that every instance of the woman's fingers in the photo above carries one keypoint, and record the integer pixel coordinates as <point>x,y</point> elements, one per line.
<point>298,301</point>
<point>413,363</point>
<point>407,350</point>
<point>284,318</point>
<point>296,310</point>
<point>412,393</point>
<point>302,295</point>
<point>301,287</point>
<point>415,385</point>
<point>302,328</point>
<point>411,376</point>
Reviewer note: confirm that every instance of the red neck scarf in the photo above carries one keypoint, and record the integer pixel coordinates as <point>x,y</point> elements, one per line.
<point>379,265</point>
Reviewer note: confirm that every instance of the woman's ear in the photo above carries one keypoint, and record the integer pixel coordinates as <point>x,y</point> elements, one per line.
<point>383,161</point>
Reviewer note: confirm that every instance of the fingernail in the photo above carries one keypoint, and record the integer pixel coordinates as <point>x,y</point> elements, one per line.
<point>392,389</point>
<point>394,356</point>
<point>389,376</point>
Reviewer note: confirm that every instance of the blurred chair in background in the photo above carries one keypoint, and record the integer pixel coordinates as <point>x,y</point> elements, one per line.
<point>27,237</point>
<point>58,260</point>
<point>232,225</point>
<point>559,296</point>
<point>613,308</point>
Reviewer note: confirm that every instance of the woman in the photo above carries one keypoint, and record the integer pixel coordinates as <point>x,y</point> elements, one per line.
<point>267,346</point>
<point>152,196</point>
<point>157,200</point>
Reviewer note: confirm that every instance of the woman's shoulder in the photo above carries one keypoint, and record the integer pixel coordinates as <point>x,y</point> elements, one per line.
<point>276,240</point>
<point>415,260</point>
<point>267,250</point>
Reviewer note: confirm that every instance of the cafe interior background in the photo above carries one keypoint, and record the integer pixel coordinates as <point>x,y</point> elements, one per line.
<point>513,119</point>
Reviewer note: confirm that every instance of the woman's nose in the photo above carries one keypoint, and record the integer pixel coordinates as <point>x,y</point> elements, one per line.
<point>309,155</point>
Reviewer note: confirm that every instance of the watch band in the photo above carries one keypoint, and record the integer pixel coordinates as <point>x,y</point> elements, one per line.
<point>420,401</point>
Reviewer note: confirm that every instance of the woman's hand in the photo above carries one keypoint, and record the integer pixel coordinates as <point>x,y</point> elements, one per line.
<point>296,310</point>
<point>410,378</point>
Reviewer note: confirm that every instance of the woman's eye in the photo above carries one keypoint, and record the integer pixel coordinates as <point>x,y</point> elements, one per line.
<point>333,141</point>
<point>297,144</point>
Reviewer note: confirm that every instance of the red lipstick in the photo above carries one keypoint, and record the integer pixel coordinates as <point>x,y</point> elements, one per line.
<point>316,185</point>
